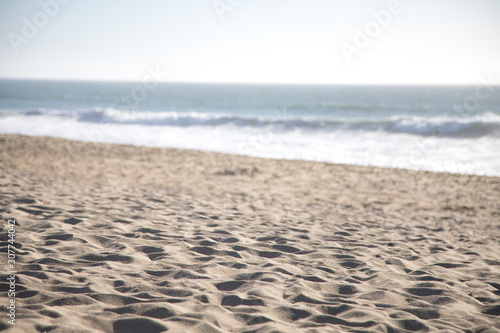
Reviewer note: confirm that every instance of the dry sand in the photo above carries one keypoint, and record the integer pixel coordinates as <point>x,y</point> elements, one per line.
<point>119,238</point>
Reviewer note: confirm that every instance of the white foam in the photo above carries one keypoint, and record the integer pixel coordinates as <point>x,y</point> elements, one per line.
<point>363,147</point>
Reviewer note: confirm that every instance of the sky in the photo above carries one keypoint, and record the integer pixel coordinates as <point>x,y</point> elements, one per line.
<point>254,41</point>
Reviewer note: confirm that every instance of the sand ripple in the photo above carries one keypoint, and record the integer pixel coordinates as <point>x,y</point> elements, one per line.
<point>128,239</point>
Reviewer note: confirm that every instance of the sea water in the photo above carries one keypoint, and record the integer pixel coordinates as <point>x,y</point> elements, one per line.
<point>437,128</point>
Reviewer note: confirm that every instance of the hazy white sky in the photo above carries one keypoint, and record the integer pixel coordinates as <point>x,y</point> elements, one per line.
<point>270,41</point>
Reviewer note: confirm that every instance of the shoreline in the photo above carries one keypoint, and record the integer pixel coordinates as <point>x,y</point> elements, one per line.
<point>115,237</point>
<point>256,157</point>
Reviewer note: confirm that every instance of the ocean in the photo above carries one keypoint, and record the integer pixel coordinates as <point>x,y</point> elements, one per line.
<point>437,128</point>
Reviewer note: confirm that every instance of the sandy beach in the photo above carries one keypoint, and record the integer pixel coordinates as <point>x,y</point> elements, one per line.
<point>115,238</point>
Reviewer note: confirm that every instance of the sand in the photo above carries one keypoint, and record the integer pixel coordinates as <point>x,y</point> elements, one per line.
<point>116,238</point>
